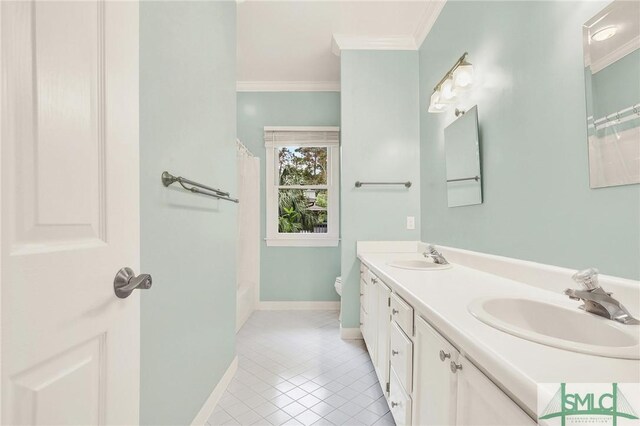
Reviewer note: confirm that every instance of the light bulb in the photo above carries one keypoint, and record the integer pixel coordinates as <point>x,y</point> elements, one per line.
<point>447,90</point>
<point>435,105</point>
<point>463,76</point>
<point>604,33</point>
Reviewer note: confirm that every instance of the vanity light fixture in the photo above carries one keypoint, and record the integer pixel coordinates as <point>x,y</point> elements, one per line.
<point>459,78</point>
<point>604,33</point>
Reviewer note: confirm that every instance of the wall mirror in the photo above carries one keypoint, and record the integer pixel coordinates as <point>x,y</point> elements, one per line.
<point>462,147</point>
<point>611,42</point>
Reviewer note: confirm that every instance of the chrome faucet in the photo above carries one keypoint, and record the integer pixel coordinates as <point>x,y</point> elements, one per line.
<point>596,300</point>
<point>434,254</point>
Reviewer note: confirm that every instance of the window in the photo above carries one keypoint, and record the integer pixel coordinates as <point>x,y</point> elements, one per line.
<point>302,175</point>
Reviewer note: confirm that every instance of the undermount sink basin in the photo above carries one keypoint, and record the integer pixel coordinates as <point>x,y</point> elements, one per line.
<point>558,326</point>
<point>418,265</point>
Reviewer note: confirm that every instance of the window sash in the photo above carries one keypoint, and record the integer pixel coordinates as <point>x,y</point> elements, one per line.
<point>276,166</point>
<point>274,140</point>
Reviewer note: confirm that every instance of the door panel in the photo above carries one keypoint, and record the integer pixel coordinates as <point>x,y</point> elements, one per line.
<point>42,390</point>
<point>69,209</point>
<point>61,133</point>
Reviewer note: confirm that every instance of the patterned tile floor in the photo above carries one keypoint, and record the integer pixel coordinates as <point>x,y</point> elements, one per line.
<point>294,369</point>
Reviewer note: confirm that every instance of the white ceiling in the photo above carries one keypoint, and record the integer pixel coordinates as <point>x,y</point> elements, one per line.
<point>288,43</point>
<point>625,16</point>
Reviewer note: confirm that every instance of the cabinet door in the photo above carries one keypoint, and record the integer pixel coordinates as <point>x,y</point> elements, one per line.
<point>370,332</point>
<point>364,316</point>
<point>481,402</point>
<point>434,385</point>
<point>364,288</point>
<point>384,322</point>
<point>372,327</point>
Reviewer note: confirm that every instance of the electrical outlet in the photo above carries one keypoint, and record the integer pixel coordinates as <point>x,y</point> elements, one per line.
<point>411,222</point>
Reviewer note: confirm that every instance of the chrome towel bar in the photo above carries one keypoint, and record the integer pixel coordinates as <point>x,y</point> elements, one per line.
<point>198,188</point>
<point>476,178</point>
<point>406,184</point>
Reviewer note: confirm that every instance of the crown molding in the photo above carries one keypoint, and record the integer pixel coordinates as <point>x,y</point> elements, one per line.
<point>288,86</point>
<point>427,20</point>
<point>342,42</point>
<point>616,54</point>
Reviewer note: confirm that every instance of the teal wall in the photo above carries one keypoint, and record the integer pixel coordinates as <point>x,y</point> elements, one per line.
<point>289,273</point>
<point>380,142</point>
<point>187,126</point>
<point>617,86</point>
<point>614,88</point>
<point>531,105</point>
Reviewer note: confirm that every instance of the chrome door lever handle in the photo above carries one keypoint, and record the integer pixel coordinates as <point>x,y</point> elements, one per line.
<point>126,281</point>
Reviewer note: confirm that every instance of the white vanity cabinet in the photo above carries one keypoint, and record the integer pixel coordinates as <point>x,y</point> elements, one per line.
<point>426,380</point>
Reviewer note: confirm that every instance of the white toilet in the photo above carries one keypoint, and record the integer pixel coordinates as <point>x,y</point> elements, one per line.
<point>338,287</point>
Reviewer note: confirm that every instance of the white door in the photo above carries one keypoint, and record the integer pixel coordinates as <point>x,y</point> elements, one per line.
<point>434,390</point>
<point>69,211</point>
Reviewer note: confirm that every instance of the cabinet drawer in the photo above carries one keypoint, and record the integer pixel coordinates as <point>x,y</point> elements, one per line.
<point>399,401</point>
<point>401,355</point>
<point>402,313</point>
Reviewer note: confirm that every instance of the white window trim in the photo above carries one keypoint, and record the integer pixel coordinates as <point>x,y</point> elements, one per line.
<point>332,237</point>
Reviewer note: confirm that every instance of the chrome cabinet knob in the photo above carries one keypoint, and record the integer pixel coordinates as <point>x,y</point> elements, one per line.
<point>394,404</point>
<point>374,280</point>
<point>455,367</point>
<point>394,311</point>
<point>394,353</point>
<point>126,281</point>
<point>444,355</point>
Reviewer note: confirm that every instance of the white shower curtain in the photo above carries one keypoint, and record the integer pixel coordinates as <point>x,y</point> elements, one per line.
<point>248,252</point>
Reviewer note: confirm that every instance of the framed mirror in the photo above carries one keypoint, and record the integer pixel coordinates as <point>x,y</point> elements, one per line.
<point>462,148</point>
<point>611,42</point>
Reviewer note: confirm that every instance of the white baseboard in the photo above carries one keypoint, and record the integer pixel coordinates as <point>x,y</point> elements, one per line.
<point>298,306</point>
<point>211,402</point>
<point>350,333</point>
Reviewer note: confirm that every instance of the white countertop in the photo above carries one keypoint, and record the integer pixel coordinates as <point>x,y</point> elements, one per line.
<point>441,297</point>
